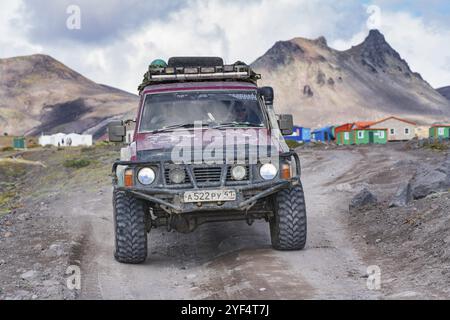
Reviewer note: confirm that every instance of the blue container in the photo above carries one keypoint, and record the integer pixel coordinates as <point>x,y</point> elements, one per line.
<point>300,134</point>
<point>323,134</point>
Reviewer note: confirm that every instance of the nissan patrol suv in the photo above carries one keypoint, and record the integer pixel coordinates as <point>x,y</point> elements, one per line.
<point>207,146</point>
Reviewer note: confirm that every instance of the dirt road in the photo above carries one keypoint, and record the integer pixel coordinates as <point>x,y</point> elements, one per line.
<point>225,260</point>
<point>67,220</point>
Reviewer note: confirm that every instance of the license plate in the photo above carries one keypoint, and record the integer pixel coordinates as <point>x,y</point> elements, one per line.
<point>209,196</point>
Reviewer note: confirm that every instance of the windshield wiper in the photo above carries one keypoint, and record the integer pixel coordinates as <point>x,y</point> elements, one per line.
<point>178,126</point>
<point>238,124</point>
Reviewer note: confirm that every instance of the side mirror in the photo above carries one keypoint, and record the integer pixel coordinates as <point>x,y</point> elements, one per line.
<point>116,131</point>
<point>267,94</point>
<point>286,124</point>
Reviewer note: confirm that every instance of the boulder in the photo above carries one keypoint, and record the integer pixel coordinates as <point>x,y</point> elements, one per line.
<point>431,180</point>
<point>402,197</point>
<point>363,199</point>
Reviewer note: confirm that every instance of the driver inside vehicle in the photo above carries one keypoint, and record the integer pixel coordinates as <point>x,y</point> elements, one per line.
<point>241,112</point>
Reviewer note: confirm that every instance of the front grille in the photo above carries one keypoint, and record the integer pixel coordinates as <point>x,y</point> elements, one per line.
<point>207,174</point>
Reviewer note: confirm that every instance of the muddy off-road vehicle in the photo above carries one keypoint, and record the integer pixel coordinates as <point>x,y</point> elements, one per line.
<point>207,147</point>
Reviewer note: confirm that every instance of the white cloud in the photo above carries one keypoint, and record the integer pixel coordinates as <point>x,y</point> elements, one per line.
<point>236,30</point>
<point>232,29</point>
<point>13,31</point>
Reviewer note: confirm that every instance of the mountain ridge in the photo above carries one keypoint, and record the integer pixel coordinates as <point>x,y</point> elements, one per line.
<point>40,94</point>
<point>319,85</point>
<point>324,86</point>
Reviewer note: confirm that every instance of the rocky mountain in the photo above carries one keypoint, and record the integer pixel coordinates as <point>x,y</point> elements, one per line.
<point>39,94</point>
<point>321,86</point>
<point>445,91</point>
<point>316,83</point>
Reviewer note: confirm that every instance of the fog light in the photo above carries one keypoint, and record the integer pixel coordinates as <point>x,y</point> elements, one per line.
<point>238,173</point>
<point>177,175</point>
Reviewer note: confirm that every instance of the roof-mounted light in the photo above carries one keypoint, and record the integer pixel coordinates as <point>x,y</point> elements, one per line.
<point>190,70</point>
<point>170,70</point>
<point>208,70</point>
<point>228,68</point>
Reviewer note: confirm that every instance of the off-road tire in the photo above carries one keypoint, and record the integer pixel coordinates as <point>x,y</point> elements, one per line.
<point>130,228</point>
<point>288,227</point>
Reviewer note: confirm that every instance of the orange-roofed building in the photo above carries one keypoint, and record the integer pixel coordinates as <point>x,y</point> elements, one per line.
<point>398,129</point>
<point>362,124</point>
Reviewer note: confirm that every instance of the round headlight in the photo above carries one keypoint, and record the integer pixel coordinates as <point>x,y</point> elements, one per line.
<point>238,173</point>
<point>268,171</point>
<point>146,176</point>
<point>177,175</point>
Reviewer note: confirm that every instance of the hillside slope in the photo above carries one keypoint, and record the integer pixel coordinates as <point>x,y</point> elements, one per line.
<point>321,86</point>
<point>39,94</point>
<point>445,91</point>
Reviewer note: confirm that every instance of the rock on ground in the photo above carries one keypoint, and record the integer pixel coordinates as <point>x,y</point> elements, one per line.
<point>431,180</point>
<point>363,199</point>
<point>402,197</point>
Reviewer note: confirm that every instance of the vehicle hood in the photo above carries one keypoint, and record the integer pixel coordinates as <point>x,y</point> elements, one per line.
<point>148,144</point>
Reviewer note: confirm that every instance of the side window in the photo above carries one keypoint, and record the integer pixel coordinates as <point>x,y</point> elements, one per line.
<point>346,136</point>
<point>381,134</point>
<point>406,130</point>
<point>392,131</point>
<point>441,131</point>
<point>360,134</point>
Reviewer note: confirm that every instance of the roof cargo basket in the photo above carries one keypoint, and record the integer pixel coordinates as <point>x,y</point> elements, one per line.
<point>184,69</point>
<point>195,62</point>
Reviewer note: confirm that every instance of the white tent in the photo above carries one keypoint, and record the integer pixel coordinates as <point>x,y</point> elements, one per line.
<point>66,140</point>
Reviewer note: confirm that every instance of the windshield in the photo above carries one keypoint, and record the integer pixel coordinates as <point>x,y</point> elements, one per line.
<point>214,109</point>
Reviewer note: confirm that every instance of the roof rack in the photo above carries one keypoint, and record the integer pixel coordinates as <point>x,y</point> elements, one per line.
<point>237,71</point>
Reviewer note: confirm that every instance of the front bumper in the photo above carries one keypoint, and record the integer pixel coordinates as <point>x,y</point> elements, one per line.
<point>171,199</point>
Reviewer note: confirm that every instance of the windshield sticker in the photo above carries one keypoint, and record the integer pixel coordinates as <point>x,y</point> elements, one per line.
<point>244,96</point>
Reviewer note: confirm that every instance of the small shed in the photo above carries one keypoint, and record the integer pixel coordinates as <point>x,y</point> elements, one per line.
<point>300,134</point>
<point>440,131</point>
<point>19,143</point>
<point>324,134</point>
<point>370,136</point>
<point>345,137</point>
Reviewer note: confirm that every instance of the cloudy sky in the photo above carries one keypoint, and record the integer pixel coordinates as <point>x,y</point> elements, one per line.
<point>117,39</point>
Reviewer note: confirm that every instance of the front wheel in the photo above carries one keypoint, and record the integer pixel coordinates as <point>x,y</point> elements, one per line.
<point>130,228</point>
<point>288,227</point>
